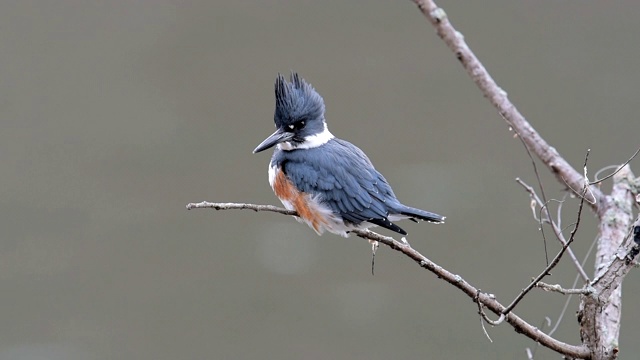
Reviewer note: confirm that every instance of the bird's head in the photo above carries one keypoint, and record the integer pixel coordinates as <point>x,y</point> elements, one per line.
<point>299,116</point>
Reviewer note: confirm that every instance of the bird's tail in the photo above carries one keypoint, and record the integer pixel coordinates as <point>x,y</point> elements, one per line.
<point>414,214</point>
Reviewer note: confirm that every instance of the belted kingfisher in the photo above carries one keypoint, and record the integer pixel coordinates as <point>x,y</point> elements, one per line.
<point>329,182</point>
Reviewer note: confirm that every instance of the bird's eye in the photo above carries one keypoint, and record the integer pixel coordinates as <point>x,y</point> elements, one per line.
<point>298,125</point>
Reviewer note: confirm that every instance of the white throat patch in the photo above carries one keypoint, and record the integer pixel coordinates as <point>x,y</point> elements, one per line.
<point>310,141</point>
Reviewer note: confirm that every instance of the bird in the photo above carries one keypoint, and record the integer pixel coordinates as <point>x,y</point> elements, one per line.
<point>329,182</point>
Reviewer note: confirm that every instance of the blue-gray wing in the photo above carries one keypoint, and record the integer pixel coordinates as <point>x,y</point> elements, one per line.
<point>345,180</point>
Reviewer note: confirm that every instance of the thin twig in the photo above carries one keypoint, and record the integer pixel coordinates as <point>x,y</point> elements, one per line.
<point>542,192</point>
<point>596,176</point>
<point>557,231</point>
<point>529,354</point>
<point>538,217</point>
<point>575,283</point>
<point>559,289</point>
<point>374,248</point>
<point>483,317</point>
<point>544,273</point>
<point>559,211</point>
<point>615,172</point>
<point>557,258</point>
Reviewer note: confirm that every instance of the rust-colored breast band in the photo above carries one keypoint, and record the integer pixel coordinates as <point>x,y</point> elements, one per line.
<point>286,191</point>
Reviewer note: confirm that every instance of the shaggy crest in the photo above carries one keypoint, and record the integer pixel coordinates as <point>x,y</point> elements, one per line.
<point>296,100</point>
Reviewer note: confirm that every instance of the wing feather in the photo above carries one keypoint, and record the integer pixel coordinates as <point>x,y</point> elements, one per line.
<point>344,179</point>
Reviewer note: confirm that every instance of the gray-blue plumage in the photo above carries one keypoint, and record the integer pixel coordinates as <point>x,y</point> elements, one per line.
<point>346,181</point>
<point>333,172</point>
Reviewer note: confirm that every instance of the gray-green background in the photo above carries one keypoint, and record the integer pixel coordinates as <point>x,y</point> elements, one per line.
<point>115,114</point>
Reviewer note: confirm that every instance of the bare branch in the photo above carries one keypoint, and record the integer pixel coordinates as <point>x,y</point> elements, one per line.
<point>550,157</point>
<point>559,289</point>
<point>374,248</point>
<point>559,217</point>
<point>615,172</point>
<point>553,263</point>
<point>487,300</point>
<point>556,229</point>
<point>483,317</point>
<point>492,322</point>
<point>557,258</point>
<point>236,206</point>
<point>536,200</point>
<point>575,282</point>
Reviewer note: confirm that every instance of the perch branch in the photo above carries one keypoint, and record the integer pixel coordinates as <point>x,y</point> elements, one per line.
<point>487,300</point>
<point>236,206</point>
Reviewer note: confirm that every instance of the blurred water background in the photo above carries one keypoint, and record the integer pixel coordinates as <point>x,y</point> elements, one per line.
<point>115,114</point>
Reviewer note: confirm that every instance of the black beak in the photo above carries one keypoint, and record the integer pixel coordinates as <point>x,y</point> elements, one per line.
<point>275,138</point>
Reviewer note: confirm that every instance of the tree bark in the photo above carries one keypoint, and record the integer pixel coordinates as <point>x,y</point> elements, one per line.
<point>600,313</point>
